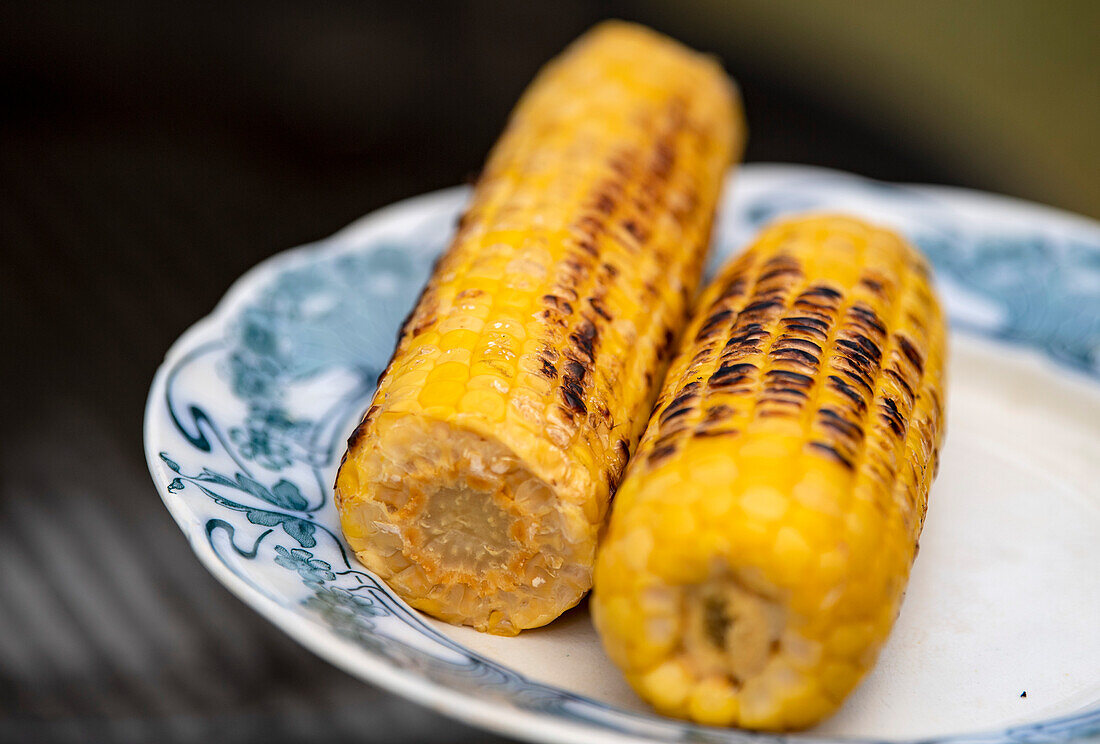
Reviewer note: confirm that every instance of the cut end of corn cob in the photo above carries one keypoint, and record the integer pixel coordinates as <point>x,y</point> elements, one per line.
<point>761,541</point>
<point>463,529</point>
<point>478,480</point>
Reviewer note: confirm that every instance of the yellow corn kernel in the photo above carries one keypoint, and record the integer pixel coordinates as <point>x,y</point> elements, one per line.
<point>813,369</point>
<point>540,341</point>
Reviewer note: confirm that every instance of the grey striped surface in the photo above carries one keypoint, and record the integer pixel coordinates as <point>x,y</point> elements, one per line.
<point>110,630</point>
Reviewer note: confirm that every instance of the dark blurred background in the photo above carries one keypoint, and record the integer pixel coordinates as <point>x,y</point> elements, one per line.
<point>150,153</point>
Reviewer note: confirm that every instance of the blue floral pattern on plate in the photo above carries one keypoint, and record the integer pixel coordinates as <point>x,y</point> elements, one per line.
<point>246,419</point>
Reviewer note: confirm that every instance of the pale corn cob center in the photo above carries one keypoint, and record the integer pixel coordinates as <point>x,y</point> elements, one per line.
<point>794,425</point>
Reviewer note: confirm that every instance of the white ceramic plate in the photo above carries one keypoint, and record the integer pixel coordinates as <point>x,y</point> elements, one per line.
<point>247,418</point>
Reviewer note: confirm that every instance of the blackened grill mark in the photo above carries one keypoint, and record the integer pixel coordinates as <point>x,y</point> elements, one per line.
<point>747,341</point>
<point>685,396</point>
<point>817,308</point>
<point>782,271</point>
<point>856,352</point>
<point>614,479</point>
<point>660,453</point>
<point>604,204</point>
<point>892,416</point>
<point>701,433</point>
<point>868,316</point>
<point>911,353</point>
<point>550,316</point>
<point>796,379</point>
<point>636,231</point>
<point>812,326</point>
<point>726,382</point>
<point>841,386</point>
<point>832,452</point>
<point>856,375</point>
<point>811,330</point>
<point>796,392</point>
<point>900,381</point>
<point>578,269</point>
<point>548,370</point>
<point>668,437</point>
<point>713,323</point>
<point>574,370</point>
<point>794,342</point>
<point>717,413</point>
<point>424,325</point>
<point>572,385</point>
<point>597,306</point>
<point>761,306</point>
<point>872,284</point>
<point>795,355</point>
<point>559,303</point>
<point>869,347</point>
<point>584,340</point>
<point>821,291</point>
<point>361,429</point>
<point>666,344</point>
<point>588,247</point>
<point>701,356</point>
<point>663,154</point>
<point>734,289</point>
<point>589,225</point>
<point>830,419</point>
<point>731,374</point>
<point>672,412</point>
<point>621,163</point>
<point>611,270</point>
<point>573,401</point>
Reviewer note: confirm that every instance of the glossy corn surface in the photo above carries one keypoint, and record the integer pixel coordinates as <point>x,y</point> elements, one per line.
<point>760,544</point>
<point>479,478</point>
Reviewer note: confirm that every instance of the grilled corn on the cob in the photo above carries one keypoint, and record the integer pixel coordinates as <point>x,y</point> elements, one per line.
<point>762,538</point>
<point>478,480</point>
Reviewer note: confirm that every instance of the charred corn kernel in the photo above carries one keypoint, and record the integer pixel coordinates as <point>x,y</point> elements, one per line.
<point>780,487</point>
<point>480,476</point>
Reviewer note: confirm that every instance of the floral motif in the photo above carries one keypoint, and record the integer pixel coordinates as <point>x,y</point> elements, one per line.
<point>312,570</point>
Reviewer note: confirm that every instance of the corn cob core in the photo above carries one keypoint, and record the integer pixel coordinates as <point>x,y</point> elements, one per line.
<point>479,477</point>
<point>762,538</point>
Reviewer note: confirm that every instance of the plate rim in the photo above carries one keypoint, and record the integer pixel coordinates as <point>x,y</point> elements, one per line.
<point>529,725</point>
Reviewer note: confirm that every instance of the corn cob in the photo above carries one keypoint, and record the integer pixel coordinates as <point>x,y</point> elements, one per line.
<point>762,538</point>
<point>478,479</point>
